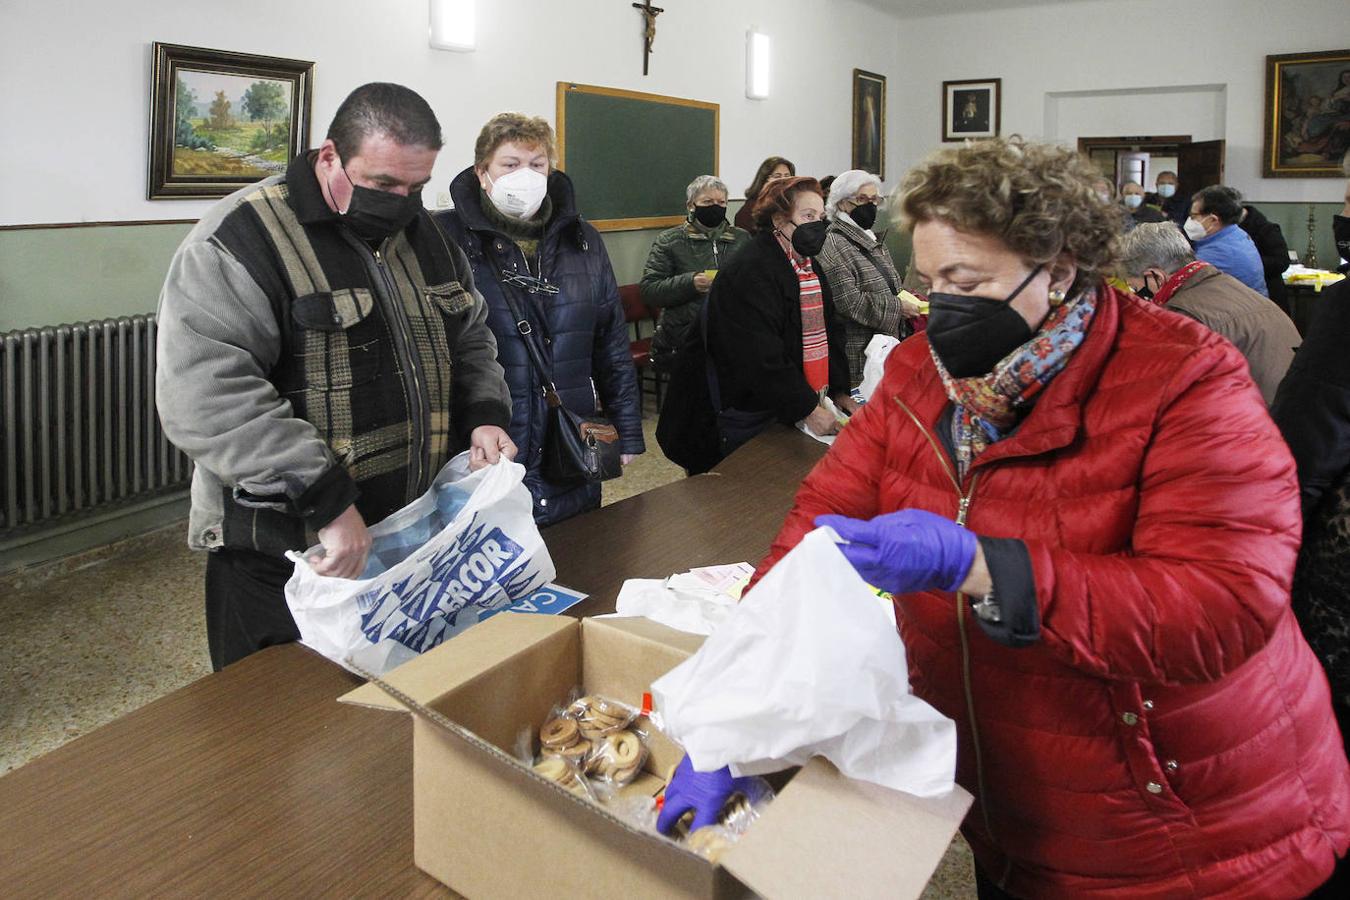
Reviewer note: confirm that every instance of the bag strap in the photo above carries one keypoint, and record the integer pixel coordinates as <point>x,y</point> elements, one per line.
<point>881,270</point>
<point>709,370</point>
<point>526,333</point>
<point>872,261</point>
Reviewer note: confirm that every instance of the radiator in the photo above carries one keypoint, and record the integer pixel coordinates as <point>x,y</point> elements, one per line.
<point>81,431</point>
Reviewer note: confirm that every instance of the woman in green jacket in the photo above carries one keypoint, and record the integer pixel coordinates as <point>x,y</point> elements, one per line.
<point>683,263</point>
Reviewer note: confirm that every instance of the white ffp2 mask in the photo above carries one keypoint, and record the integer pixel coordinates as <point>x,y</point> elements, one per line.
<point>1194,230</point>
<point>519,193</point>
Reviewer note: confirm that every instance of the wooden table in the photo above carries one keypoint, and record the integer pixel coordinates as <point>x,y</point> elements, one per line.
<point>255,782</point>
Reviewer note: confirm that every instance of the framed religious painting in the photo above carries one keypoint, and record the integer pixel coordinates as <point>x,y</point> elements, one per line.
<point>971,109</point>
<point>869,122</point>
<point>1307,114</point>
<point>221,120</point>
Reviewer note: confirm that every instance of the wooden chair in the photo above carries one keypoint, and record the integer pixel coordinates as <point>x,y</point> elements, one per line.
<point>635,312</point>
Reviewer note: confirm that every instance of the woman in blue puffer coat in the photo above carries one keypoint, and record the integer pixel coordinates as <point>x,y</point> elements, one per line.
<point>517,220</point>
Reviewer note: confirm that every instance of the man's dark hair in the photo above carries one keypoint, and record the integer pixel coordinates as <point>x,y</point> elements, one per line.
<point>1224,202</point>
<point>388,109</point>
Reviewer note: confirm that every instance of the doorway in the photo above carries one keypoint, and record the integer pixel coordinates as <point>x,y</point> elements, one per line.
<point>1140,158</point>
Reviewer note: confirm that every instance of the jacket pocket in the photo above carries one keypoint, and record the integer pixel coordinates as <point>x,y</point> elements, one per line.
<point>450,298</point>
<point>337,341</point>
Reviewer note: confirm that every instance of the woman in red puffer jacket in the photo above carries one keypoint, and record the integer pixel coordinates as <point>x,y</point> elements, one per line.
<point>1090,524</point>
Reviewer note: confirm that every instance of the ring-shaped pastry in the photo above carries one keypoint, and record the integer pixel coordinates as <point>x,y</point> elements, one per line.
<point>559,733</point>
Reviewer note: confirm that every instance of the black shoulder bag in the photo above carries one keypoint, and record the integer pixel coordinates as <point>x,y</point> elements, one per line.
<point>576,448</point>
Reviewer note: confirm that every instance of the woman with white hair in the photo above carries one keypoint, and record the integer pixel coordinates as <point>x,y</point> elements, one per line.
<point>683,263</point>
<point>859,269</point>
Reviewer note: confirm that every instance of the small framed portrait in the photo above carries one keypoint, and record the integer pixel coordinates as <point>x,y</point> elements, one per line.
<point>221,120</point>
<point>971,109</point>
<point>1307,114</point>
<point>869,122</point>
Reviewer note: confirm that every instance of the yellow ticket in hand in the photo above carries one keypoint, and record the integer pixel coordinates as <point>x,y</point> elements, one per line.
<point>916,300</point>
<point>710,274</point>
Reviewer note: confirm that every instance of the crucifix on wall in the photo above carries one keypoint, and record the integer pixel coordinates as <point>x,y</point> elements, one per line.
<point>649,14</point>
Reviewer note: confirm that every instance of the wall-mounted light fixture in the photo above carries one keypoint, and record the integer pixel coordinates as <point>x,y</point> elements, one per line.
<point>452,25</point>
<point>756,65</point>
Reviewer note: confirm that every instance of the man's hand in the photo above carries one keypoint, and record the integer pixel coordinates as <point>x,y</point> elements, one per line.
<point>626,458</point>
<point>822,421</point>
<point>846,404</point>
<point>702,283</point>
<point>346,542</point>
<point>487,443</point>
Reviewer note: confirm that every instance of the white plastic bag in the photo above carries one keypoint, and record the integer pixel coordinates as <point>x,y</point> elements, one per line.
<point>465,548</point>
<point>809,664</point>
<point>874,362</point>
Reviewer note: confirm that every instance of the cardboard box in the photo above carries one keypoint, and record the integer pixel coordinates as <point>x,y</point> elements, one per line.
<point>488,826</point>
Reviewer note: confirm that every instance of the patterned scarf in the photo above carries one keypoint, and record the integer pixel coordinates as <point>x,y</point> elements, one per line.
<point>815,343</point>
<point>1168,289</point>
<point>989,407</point>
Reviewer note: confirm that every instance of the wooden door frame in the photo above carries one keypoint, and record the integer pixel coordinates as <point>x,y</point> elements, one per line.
<point>1131,142</point>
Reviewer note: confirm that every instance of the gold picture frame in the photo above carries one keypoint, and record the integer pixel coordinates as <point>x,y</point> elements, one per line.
<point>1307,126</point>
<point>869,122</point>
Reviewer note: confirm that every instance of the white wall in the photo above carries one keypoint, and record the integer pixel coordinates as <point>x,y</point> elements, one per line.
<point>74,109</point>
<point>1051,57</point>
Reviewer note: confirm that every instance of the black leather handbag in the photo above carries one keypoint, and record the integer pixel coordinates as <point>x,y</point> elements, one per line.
<point>576,448</point>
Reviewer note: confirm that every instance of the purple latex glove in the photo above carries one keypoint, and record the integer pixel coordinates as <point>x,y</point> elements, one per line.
<point>906,551</point>
<point>703,792</point>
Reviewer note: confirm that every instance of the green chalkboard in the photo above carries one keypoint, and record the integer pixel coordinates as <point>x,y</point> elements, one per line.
<point>631,155</point>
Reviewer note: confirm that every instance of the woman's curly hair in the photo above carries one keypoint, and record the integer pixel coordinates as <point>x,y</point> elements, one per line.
<point>516,128</point>
<point>1038,198</point>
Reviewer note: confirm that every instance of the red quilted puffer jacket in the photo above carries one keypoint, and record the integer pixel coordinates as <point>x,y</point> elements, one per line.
<point>1170,734</point>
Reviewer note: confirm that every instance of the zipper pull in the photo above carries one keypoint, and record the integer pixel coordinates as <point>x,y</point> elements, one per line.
<point>379,260</point>
<point>962,510</point>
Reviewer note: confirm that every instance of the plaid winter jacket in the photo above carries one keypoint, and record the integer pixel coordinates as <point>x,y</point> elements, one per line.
<point>304,371</point>
<point>864,284</point>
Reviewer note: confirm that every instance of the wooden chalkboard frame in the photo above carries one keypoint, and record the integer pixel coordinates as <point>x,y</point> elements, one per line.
<point>631,224</point>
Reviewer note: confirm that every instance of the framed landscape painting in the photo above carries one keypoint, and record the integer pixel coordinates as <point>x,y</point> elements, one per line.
<point>221,120</point>
<point>1307,114</point>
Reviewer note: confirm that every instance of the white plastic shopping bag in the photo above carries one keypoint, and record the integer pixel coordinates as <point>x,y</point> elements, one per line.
<point>809,664</point>
<point>464,549</point>
<point>874,362</point>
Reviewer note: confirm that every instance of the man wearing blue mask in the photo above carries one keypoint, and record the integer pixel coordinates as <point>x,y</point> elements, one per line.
<point>308,330</point>
<point>1174,204</point>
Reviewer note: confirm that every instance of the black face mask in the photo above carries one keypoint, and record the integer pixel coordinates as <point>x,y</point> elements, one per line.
<point>971,334</point>
<point>1145,291</point>
<point>710,216</point>
<point>809,237</point>
<point>376,215</point>
<point>865,214</point>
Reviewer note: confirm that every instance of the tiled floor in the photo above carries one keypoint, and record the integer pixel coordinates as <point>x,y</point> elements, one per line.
<point>96,638</point>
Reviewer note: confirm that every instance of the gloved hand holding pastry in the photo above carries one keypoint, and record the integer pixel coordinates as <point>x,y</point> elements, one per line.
<point>705,793</point>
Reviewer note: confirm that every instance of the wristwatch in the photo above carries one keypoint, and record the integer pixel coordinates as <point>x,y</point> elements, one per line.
<point>986,608</point>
